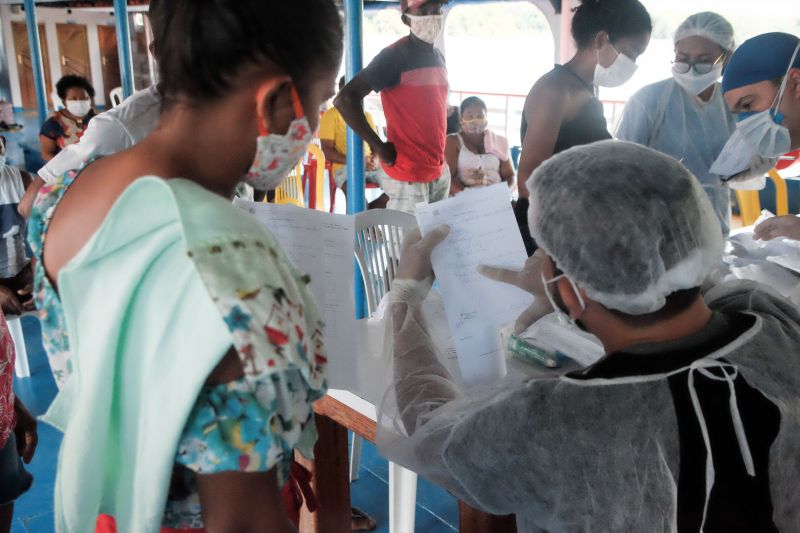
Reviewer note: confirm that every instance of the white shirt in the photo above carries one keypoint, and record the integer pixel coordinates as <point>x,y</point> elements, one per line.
<point>108,133</point>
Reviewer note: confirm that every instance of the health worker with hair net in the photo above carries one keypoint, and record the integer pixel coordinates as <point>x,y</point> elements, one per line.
<point>691,422</point>
<point>762,87</point>
<point>685,116</point>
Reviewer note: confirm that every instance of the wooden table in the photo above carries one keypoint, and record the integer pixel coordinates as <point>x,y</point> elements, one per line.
<point>331,479</point>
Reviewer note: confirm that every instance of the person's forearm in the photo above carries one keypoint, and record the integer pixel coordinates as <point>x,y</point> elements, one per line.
<point>334,156</point>
<point>421,380</point>
<point>26,203</point>
<point>353,113</point>
<point>526,169</point>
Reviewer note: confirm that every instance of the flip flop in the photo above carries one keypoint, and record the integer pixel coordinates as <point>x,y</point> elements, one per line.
<point>361,521</point>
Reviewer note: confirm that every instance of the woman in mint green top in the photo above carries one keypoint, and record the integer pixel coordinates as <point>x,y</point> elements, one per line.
<point>190,350</point>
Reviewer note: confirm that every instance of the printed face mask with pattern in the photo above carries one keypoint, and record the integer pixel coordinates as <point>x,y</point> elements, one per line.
<point>276,154</point>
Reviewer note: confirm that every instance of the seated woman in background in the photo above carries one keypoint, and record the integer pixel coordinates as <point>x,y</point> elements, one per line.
<point>476,156</point>
<point>67,125</point>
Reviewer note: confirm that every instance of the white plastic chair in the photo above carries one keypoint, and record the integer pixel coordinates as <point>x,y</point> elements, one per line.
<point>21,367</point>
<point>379,238</point>
<point>116,96</point>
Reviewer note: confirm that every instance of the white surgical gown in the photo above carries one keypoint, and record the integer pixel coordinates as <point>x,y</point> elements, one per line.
<point>663,116</point>
<point>599,455</point>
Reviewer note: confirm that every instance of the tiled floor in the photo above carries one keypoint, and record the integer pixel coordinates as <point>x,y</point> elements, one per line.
<point>436,510</point>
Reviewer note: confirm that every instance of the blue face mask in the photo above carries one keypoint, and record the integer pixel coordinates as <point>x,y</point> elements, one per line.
<point>777,116</point>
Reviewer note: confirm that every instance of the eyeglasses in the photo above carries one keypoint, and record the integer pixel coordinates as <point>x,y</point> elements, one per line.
<point>683,67</point>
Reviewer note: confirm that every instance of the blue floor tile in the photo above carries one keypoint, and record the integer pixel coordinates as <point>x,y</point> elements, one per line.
<point>17,526</point>
<point>41,523</point>
<point>437,511</point>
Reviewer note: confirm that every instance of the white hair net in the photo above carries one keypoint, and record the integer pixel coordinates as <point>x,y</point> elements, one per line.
<point>709,25</point>
<point>628,224</point>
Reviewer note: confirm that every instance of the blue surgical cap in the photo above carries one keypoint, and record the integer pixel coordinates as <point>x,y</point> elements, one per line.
<point>762,58</point>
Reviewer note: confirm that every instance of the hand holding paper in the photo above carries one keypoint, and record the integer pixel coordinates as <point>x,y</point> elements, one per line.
<point>528,279</point>
<point>483,232</point>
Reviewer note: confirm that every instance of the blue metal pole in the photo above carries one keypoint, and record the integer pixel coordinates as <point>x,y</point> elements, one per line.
<point>124,46</point>
<point>354,11</point>
<point>36,60</point>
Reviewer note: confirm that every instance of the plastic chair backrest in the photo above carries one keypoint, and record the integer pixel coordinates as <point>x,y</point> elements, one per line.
<point>379,238</point>
<point>116,96</point>
<point>315,176</point>
<point>750,205</point>
<point>291,190</point>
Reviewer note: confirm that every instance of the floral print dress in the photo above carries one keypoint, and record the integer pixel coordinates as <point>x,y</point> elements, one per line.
<point>252,424</point>
<point>7,417</point>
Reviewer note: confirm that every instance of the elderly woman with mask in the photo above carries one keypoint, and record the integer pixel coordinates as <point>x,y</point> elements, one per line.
<point>685,116</point>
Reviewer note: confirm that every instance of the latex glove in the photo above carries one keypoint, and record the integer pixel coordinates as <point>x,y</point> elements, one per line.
<point>529,279</point>
<point>753,179</point>
<point>415,258</point>
<point>787,226</point>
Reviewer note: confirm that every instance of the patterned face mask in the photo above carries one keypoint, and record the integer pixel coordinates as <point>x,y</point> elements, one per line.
<point>277,155</point>
<point>475,125</point>
<point>426,27</point>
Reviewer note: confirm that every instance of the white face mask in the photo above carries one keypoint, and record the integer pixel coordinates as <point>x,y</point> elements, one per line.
<point>562,316</point>
<point>2,160</point>
<point>426,27</point>
<point>767,137</point>
<point>78,108</point>
<point>620,71</point>
<point>695,83</point>
<point>276,154</point>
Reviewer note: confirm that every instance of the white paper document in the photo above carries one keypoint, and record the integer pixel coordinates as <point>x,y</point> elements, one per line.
<point>483,231</point>
<point>321,245</point>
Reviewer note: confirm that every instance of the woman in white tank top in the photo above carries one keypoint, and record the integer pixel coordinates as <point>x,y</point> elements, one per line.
<point>476,156</point>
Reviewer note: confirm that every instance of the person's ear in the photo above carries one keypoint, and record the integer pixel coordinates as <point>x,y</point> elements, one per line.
<point>601,39</point>
<point>570,299</point>
<point>793,86</point>
<point>274,105</point>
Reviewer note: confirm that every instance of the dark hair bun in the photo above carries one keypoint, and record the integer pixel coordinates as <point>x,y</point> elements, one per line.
<point>620,18</point>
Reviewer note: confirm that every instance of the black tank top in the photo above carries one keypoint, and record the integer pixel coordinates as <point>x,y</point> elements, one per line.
<point>588,126</point>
